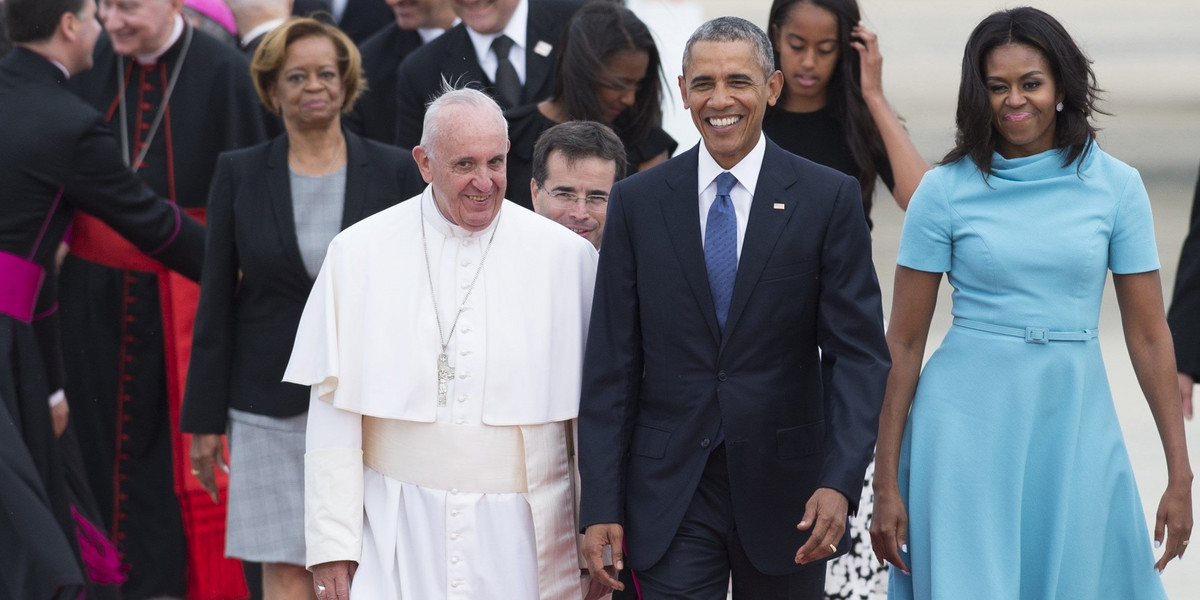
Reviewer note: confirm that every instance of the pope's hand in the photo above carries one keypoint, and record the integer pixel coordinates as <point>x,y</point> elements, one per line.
<point>595,538</point>
<point>331,580</point>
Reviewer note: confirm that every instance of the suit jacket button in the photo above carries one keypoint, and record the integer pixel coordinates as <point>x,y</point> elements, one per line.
<point>721,376</point>
<point>704,443</point>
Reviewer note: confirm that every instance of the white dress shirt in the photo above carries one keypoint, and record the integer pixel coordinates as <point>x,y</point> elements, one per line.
<point>517,31</point>
<point>742,194</point>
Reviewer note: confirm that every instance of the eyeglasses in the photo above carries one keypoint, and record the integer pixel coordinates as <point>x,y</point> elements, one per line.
<point>567,201</point>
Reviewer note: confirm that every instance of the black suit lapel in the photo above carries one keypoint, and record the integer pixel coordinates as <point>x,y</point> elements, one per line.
<point>539,64</point>
<point>765,225</point>
<point>681,210</point>
<point>358,180</point>
<point>279,187</point>
<point>460,57</point>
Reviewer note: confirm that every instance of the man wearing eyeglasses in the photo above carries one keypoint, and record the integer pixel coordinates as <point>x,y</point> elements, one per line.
<point>574,166</point>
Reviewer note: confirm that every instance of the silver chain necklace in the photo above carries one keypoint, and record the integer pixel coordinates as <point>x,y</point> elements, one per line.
<point>445,372</point>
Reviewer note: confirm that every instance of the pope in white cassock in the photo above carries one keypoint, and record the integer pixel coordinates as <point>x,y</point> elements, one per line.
<point>444,341</point>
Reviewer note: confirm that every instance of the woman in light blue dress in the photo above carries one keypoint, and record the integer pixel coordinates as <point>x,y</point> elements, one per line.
<point>1001,472</point>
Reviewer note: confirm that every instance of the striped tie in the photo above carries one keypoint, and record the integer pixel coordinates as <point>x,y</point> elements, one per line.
<point>720,247</point>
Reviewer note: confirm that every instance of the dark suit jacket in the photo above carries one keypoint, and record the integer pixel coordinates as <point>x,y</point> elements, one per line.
<point>453,56</point>
<point>360,20</point>
<point>659,378</point>
<point>245,327</point>
<point>1184,316</point>
<point>374,114</point>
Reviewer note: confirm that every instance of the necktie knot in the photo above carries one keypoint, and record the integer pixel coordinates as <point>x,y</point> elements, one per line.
<point>725,183</point>
<point>501,46</point>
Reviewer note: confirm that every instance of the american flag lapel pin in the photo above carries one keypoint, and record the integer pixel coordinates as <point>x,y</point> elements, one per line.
<point>779,206</point>
<point>542,48</point>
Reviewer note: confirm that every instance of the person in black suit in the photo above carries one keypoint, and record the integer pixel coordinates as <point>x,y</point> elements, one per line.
<point>417,22</point>
<point>57,157</point>
<point>273,209</point>
<point>1184,316</point>
<point>737,361</point>
<point>358,18</point>
<point>467,55</point>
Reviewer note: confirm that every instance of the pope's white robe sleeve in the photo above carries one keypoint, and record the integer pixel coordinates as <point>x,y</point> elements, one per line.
<point>333,467</point>
<point>333,484</point>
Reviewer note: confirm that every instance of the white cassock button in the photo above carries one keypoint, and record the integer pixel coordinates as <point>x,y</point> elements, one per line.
<point>454,560</point>
<point>466,330</point>
<point>455,583</point>
<point>462,398</point>
<point>455,513</point>
<point>460,421</point>
<point>466,286</point>
<point>454,536</point>
<point>467,242</point>
<point>453,490</point>
<point>465,352</point>
<point>466,263</point>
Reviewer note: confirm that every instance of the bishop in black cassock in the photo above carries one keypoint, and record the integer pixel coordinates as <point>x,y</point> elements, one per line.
<point>127,330</point>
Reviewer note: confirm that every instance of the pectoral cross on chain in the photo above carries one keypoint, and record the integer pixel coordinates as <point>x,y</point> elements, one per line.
<point>445,374</point>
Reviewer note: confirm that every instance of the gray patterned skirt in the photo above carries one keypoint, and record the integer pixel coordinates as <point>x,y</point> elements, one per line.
<point>266,488</point>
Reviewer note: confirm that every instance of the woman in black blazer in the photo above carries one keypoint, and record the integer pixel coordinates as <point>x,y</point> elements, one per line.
<point>272,211</point>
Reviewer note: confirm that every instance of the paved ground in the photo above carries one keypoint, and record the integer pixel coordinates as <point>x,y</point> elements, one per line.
<point>1147,57</point>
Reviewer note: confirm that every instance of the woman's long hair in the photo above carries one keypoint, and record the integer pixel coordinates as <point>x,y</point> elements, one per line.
<point>595,32</point>
<point>1071,69</point>
<point>844,93</point>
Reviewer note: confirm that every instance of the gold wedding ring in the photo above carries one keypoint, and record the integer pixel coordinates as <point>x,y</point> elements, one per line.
<point>833,548</point>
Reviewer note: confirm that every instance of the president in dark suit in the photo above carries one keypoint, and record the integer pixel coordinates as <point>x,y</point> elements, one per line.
<point>736,362</point>
<point>506,47</point>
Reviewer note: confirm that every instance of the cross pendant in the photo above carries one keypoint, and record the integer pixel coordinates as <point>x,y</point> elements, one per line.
<point>445,373</point>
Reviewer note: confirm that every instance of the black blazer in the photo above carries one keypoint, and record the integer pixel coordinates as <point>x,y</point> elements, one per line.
<point>254,284</point>
<point>374,114</point>
<point>659,378</point>
<point>1184,316</point>
<point>452,55</point>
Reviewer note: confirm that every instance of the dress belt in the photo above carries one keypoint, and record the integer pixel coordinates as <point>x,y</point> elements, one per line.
<point>1032,335</point>
<point>464,458</point>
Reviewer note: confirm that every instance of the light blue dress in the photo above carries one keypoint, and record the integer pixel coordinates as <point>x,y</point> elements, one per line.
<point>1012,467</point>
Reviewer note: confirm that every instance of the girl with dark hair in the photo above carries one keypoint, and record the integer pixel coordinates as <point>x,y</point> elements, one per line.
<point>1014,482</point>
<point>832,110</point>
<point>608,71</point>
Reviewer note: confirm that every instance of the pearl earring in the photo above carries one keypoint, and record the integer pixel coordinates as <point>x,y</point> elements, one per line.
<point>1058,107</point>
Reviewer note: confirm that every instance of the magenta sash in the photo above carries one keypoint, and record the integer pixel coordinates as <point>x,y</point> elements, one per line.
<point>22,281</point>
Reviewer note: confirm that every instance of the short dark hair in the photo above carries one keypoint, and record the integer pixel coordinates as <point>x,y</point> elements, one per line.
<point>595,32</point>
<point>733,29</point>
<point>271,54</point>
<point>578,140</point>
<point>845,87</point>
<point>1071,69</point>
<point>35,20</point>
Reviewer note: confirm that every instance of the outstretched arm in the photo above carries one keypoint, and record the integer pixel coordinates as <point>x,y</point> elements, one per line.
<point>1152,353</point>
<point>907,164</point>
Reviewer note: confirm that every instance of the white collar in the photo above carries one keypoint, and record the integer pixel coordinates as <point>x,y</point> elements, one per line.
<point>517,30</point>
<point>260,29</point>
<point>746,170</point>
<point>149,59</point>
<point>439,223</point>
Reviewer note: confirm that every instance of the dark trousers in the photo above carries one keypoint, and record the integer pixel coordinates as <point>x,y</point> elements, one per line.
<point>706,551</point>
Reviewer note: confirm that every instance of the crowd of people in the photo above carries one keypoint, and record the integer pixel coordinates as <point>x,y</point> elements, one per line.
<point>280,318</point>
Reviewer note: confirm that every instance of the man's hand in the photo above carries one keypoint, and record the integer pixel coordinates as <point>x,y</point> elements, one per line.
<point>825,515</point>
<point>595,538</point>
<point>59,414</point>
<point>208,453</point>
<point>331,580</point>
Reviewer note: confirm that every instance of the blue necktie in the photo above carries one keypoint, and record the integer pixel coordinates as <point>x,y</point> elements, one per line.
<point>720,247</point>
